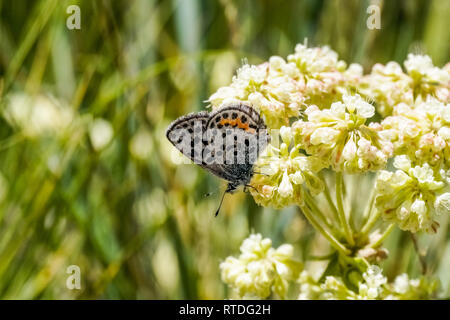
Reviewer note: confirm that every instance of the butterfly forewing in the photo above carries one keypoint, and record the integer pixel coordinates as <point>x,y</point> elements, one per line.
<point>186,134</point>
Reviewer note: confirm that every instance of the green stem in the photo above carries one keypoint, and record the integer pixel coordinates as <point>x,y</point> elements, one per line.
<point>310,202</point>
<point>371,222</point>
<point>369,206</point>
<point>422,260</point>
<point>342,217</point>
<point>333,241</point>
<point>383,237</point>
<point>324,257</point>
<point>331,203</point>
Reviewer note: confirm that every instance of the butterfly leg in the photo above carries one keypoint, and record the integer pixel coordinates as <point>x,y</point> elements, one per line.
<point>263,174</point>
<point>250,186</point>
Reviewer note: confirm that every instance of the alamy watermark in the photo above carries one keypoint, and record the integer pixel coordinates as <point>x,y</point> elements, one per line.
<point>74,279</point>
<point>74,20</point>
<point>374,19</point>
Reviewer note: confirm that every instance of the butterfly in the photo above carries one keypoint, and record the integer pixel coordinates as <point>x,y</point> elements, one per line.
<point>226,142</point>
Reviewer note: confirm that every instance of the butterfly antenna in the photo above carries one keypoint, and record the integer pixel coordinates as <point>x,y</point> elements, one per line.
<point>220,204</point>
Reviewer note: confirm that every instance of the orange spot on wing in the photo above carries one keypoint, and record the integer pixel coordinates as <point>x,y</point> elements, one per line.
<point>237,122</point>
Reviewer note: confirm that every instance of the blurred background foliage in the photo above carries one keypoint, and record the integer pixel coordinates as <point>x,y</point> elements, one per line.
<point>87,176</point>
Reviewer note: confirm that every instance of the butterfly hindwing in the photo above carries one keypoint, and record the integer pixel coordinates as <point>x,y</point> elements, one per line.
<point>236,129</point>
<point>226,142</point>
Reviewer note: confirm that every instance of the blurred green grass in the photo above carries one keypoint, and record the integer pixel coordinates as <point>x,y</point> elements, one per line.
<point>137,224</point>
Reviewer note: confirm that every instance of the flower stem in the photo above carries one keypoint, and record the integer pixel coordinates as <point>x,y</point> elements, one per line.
<point>383,237</point>
<point>310,202</point>
<point>371,222</point>
<point>333,241</point>
<point>422,261</point>
<point>342,217</point>
<point>369,207</point>
<point>330,202</point>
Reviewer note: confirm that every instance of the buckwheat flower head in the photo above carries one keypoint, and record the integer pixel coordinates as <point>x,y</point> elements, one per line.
<point>260,269</point>
<point>374,280</point>
<point>373,286</point>
<point>388,86</point>
<point>421,132</point>
<point>284,172</point>
<point>410,196</point>
<point>404,288</point>
<point>339,136</point>
<point>428,79</point>
<point>271,88</point>
<point>325,77</point>
<point>309,288</point>
<point>279,89</point>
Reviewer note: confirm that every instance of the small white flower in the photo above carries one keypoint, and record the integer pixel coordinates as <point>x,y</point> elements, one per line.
<point>401,283</point>
<point>402,162</point>
<point>259,268</point>
<point>442,203</point>
<point>285,189</point>
<point>324,135</point>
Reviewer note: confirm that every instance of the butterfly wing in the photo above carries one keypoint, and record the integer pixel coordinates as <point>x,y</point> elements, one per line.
<point>185,134</point>
<point>242,135</point>
<point>225,142</point>
<point>187,131</point>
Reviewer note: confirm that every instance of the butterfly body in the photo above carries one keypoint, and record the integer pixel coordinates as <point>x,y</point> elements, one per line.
<point>225,142</point>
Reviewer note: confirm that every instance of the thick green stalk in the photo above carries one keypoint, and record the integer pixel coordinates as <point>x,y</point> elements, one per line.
<point>383,237</point>
<point>342,217</point>
<point>331,203</point>
<point>333,241</point>
<point>315,209</point>
<point>371,222</point>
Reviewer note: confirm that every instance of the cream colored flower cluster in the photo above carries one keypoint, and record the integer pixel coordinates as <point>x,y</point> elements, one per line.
<point>326,77</point>
<point>284,171</point>
<point>281,89</point>
<point>260,270</point>
<point>374,286</point>
<point>421,131</point>
<point>340,137</point>
<point>388,85</point>
<point>412,196</point>
<point>332,116</point>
